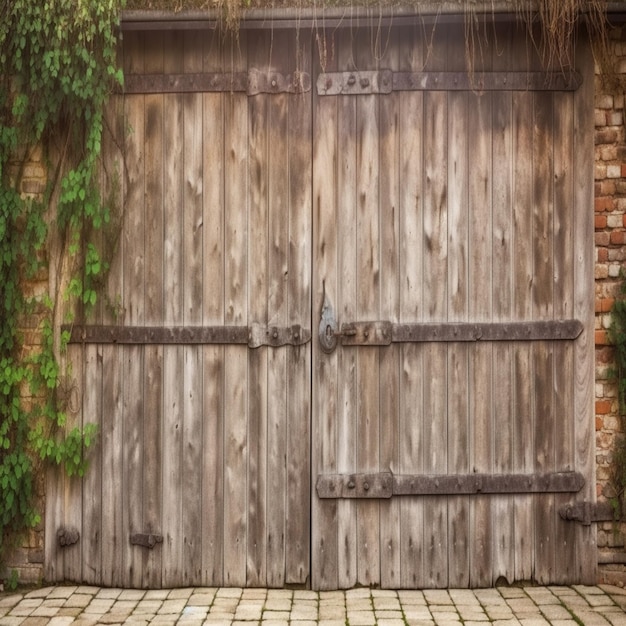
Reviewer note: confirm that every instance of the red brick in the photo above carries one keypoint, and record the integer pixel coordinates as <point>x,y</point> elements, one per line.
<point>624,170</point>
<point>604,204</point>
<point>599,423</point>
<point>603,255</point>
<point>618,237</point>
<point>603,407</point>
<point>607,304</point>
<point>602,239</point>
<point>600,222</point>
<point>602,338</point>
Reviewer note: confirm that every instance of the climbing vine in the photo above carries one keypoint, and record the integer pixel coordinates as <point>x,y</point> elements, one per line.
<point>57,68</point>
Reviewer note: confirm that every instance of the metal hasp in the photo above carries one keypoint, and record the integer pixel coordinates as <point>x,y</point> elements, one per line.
<point>385,81</point>
<point>67,537</point>
<point>386,484</point>
<point>145,540</point>
<point>588,512</point>
<point>252,83</point>
<point>255,335</point>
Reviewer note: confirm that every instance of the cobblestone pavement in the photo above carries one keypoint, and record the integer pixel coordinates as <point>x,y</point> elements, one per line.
<point>504,606</point>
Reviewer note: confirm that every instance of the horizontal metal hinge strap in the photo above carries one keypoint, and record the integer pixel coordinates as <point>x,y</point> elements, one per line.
<point>386,484</point>
<point>385,81</point>
<point>254,336</point>
<point>588,512</point>
<point>385,333</point>
<point>252,82</point>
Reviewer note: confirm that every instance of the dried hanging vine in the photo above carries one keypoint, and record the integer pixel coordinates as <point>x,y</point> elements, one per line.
<point>58,66</point>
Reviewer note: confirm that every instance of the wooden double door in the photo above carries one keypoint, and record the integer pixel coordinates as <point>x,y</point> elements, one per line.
<point>345,334</point>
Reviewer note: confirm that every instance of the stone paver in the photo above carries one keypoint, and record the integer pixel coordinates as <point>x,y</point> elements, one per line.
<point>511,606</point>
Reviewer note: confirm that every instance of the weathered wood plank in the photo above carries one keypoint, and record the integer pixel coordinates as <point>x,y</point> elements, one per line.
<point>411,453</point>
<point>153,315</point>
<point>326,169</point>
<point>278,165</point>
<point>367,282</point>
<point>522,301</point>
<point>300,211</point>
<point>213,311</point>
<point>258,309</point>
<point>542,355</point>
<point>480,309</point>
<point>235,303</point>
<point>173,285</point>
<point>503,397</point>
<point>583,307</point>
<point>192,241</point>
<point>389,371</point>
<point>564,305</point>
<point>435,286</point>
<point>458,307</point>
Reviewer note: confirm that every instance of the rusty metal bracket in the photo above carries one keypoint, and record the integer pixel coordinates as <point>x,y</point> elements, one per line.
<point>145,540</point>
<point>67,537</point>
<point>385,81</point>
<point>588,512</point>
<point>254,336</point>
<point>386,484</point>
<point>252,83</point>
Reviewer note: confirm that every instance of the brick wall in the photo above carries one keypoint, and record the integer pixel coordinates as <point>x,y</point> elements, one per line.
<point>610,236</point>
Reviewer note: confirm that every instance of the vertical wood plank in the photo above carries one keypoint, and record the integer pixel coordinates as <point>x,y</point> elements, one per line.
<point>389,373</point>
<point>503,408</point>
<point>346,306</point>
<point>259,277</point>
<point>583,308</point>
<point>458,354</point>
<point>564,376</point>
<point>236,288</point>
<point>153,314</point>
<point>480,309</point>
<point>298,514</point>
<point>367,263</point>
<point>324,543</point>
<point>173,284</point>
<point>213,311</point>
<point>278,165</point>
<point>193,262</point>
<point>542,352</point>
<point>411,310</point>
<point>435,290</point>
<point>522,310</point>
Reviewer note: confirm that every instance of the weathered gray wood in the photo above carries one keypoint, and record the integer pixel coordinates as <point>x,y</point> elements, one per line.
<point>583,308</point>
<point>411,451</point>
<point>480,206</point>
<point>326,169</point>
<point>173,286</point>
<point>298,423</point>
<point>458,307</point>
<point>543,355</point>
<point>502,290</point>
<point>235,305</point>
<point>389,370</point>
<point>366,262</point>
<point>258,309</point>
<point>155,161</point>
<point>564,376</point>
<point>213,219</point>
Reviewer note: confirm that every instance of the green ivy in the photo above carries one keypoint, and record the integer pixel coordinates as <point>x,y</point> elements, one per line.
<point>617,336</point>
<point>57,69</point>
